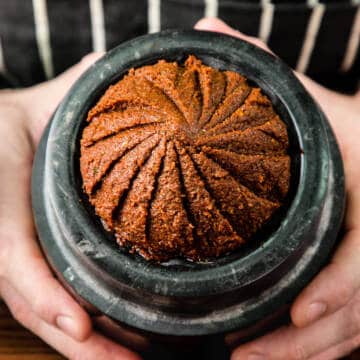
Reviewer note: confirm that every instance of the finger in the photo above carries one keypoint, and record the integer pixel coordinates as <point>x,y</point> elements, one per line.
<point>61,84</point>
<point>31,277</point>
<point>216,25</point>
<point>94,348</point>
<point>22,263</point>
<point>340,350</point>
<point>331,102</point>
<point>341,110</point>
<point>40,101</point>
<point>337,283</point>
<point>294,343</point>
<point>333,287</point>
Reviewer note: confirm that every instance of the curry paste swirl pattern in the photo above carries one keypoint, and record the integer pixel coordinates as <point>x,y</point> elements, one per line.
<point>184,160</point>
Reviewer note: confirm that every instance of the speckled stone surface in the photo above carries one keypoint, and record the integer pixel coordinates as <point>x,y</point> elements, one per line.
<point>183,161</point>
<point>183,298</point>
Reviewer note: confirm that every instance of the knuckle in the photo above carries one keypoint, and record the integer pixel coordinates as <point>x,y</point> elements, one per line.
<point>298,352</point>
<point>21,314</point>
<point>41,308</point>
<point>258,42</point>
<point>354,316</point>
<point>344,293</point>
<point>344,288</point>
<point>344,285</point>
<point>82,356</point>
<point>5,255</point>
<point>76,356</point>
<point>354,343</point>
<point>85,59</point>
<point>89,59</point>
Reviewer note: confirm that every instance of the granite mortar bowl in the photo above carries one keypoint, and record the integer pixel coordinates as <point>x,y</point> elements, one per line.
<point>183,300</point>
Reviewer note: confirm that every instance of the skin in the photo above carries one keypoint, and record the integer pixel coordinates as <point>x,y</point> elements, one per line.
<point>326,315</point>
<point>35,298</point>
<point>38,301</point>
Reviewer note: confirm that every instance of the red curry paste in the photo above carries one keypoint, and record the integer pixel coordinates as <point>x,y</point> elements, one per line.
<point>184,160</point>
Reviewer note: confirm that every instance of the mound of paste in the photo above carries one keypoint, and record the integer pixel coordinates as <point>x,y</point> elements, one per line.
<point>184,160</point>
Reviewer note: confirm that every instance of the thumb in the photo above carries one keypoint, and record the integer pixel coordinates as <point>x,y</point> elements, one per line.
<point>40,101</point>
<point>331,102</point>
<point>217,25</point>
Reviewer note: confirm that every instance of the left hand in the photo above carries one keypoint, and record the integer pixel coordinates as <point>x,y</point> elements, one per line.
<point>33,294</point>
<point>326,315</point>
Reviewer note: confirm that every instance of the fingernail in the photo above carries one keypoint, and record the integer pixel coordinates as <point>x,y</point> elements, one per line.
<point>315,311</point>
<point>67,325</point>
<point>256,356</point>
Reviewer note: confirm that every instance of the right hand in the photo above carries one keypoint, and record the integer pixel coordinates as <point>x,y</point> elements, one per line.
<point>333,329</point>
<point>35,297</point>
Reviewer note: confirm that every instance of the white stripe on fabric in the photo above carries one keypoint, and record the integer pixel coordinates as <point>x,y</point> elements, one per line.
<point>353,44</point>
<point>154,16</point>
<point>97,25</point>
<point>211,8</point>
<point>311,34</point>
<point>266,20</point>
<point>312,3</point>
<point>2,61</point>
<point>43,36</point>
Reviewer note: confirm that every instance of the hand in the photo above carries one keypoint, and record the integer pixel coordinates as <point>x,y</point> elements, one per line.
<point>35,298</point>
<point>326,315</point>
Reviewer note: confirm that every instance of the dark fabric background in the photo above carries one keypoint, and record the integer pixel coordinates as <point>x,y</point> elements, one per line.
<point>70,33</point>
